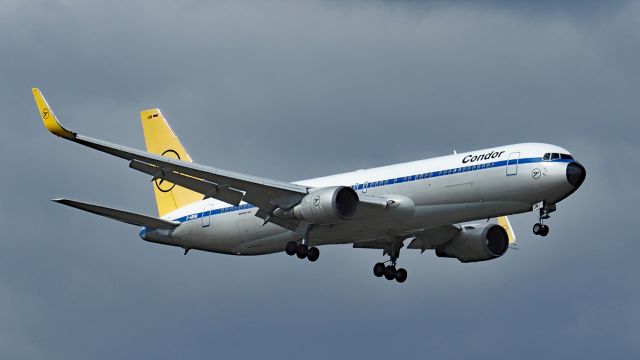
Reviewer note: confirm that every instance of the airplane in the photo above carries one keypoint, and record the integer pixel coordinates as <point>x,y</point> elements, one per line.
<point>422,205</point>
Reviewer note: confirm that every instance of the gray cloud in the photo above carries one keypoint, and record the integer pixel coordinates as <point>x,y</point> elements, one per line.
<point>575,9</point>
<point>292,90</point>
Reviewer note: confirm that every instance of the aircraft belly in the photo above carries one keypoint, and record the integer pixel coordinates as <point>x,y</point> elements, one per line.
<point>424,217</point>
<point>273,243</point>
<point>437,215</point>
<point>232,234</point>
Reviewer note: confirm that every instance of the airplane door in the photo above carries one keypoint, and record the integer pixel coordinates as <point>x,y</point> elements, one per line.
<point>206,215</point>
<point>512,163</point>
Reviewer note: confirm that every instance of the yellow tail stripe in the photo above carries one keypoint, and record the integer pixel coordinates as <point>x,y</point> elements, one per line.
<point>161,140</point>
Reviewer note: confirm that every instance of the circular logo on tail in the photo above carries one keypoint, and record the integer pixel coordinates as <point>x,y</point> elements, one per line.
<point>162,184</point>
<point>45,113</point>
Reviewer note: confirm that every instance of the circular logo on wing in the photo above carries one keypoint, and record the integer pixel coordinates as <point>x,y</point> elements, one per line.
<point>316,200</point>
<point>45,113</point>
<point>535,173</point>
<point>161,184</point>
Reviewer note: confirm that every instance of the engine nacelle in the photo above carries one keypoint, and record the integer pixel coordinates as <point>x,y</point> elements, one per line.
<point>476,244</point>
<point>327,205</point>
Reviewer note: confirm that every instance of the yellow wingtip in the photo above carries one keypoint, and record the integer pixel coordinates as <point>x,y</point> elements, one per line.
<point>48,117</point>
<point>506,224</point>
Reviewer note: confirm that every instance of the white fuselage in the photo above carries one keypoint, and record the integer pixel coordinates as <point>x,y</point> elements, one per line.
<point>445,190</point>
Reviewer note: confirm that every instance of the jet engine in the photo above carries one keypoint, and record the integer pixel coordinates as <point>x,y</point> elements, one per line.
<point>476,244</point>
<point>327,205</point>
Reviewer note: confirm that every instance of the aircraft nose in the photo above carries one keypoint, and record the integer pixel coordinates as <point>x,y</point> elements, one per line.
<point>576,174</point>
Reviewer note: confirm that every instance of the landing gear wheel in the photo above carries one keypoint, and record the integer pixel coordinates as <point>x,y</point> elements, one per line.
<point>401,275</point>
<point>537,228</point>
<point>313,254</point>
<point>378,270</point>
<point>544,231</point>
<point>390,272</point>
<point>291,248</point>
<point>302,251</point>
<point>545,209</point>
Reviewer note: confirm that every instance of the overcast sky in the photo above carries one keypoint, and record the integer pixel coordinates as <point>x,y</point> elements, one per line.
<point>297,89</point>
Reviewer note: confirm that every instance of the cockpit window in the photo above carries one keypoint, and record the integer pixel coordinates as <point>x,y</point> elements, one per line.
<point>556,156</point>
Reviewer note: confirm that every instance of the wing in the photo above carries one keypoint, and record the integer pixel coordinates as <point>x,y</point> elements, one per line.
<point>421,239</point>
<point>430,238</point>
<point>434,237</point>
<point>230,187</point>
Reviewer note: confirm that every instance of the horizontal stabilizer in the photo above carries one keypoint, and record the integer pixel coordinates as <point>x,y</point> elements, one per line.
<point>121,215</point>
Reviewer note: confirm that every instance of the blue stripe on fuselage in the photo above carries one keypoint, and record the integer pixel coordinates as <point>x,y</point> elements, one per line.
<point>391,181</point>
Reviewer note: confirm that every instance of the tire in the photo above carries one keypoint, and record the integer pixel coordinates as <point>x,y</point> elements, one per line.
<point>390,272</point>
<point>291,248</point>
<point>302,251</point>
<point>544,231</point>
<point>313,254</point>
<point>401,275</point>
<point>378,270</point>
<point>537,228</point>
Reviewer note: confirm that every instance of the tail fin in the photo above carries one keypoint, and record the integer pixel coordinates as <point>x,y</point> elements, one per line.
<point>161,140</point>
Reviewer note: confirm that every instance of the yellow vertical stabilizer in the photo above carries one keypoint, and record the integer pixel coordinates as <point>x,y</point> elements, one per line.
<point>161,140</point>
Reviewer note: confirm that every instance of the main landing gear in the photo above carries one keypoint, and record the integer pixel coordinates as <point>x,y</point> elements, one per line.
<point>302,251</point>
<point>389,271</point>
<point>545,209</point>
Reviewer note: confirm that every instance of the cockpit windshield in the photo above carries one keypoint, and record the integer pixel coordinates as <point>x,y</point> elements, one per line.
<point>556,156</point>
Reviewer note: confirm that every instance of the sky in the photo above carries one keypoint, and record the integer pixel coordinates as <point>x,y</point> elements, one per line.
<point>297,89</point>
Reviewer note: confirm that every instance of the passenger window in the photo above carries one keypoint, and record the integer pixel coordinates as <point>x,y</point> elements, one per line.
<point>555,156</point>
<point>546,156</point>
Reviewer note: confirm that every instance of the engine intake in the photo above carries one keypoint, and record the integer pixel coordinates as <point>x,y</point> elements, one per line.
<point>476,244</point>
<point>328,205</point>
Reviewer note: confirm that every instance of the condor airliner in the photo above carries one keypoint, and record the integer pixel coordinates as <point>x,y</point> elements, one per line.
<point>423,205</point>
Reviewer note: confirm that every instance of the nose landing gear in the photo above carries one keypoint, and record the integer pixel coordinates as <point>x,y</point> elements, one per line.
<point>545,209</point>
<point>541,229</point>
